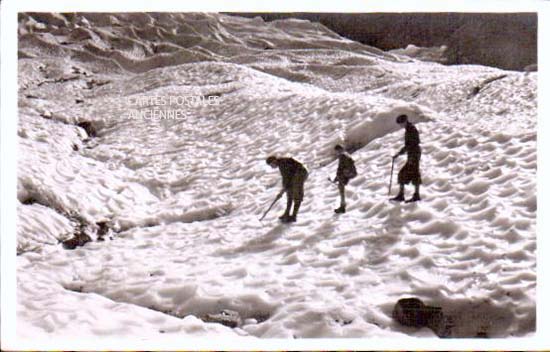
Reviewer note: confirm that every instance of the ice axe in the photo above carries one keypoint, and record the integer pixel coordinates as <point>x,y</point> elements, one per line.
<point>272,204</point>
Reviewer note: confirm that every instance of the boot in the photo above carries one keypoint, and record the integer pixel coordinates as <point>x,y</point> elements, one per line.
<point>284,217</point>
<point>399,198</point>
<point>415,198</point>
<point>340,210</point>
<point>291,218</point>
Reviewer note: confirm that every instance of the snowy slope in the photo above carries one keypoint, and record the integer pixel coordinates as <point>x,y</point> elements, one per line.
<point>183,197</point>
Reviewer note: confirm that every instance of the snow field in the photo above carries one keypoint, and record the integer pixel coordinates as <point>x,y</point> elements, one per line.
<point>184,196</point>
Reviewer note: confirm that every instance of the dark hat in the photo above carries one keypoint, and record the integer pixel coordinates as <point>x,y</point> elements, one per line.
<point>270,159</point>
<point>338,147</point>
<point>401,119</point>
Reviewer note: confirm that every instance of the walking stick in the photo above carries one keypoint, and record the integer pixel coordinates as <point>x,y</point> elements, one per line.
<point>391,175</point>
<point>271,206</point>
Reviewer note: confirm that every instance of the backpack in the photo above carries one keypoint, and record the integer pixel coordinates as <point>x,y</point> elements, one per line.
<point>350,171</point>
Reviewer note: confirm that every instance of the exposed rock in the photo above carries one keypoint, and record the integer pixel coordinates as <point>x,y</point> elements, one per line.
<point>226,317</point>
<point>103,229</point>
<point>78,240</point>
<point>96,83</point>
<point>80,236</point>
<point>413,312</point>
<point>410,312</point>
<point>88,127</point>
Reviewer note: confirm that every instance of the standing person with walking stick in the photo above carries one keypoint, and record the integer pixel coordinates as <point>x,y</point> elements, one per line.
<point>410,172</point>
<point>294,176</point>
<point>346,171</point>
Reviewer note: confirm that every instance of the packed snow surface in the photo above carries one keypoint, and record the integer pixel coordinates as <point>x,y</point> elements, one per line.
<point>182,196</point>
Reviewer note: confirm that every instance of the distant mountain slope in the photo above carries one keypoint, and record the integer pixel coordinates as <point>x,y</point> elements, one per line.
<point>504,40</point>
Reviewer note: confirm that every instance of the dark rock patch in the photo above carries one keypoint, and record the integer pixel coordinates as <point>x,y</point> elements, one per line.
<point>343,322</point>
<point>413,312</point>
<point>226,317</point>
<point>232,318</point>
<point>88,127</point>
<point>96,83</point>
<point>78,240</point>
<point>29,200</point>
<point>460,318</point>
<point>59,80</point>
<point>104,227</point>
<point>80,235</point>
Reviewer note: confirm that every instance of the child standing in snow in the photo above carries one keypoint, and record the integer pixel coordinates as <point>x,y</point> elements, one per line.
<point>346,171</point>
<point>410,172</point>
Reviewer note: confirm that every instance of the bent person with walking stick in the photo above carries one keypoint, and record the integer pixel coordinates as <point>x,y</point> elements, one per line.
<point>294,176</point>
<point>410,172</point>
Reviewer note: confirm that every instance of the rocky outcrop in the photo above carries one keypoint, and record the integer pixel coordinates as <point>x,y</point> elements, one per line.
<point>457,318</point>
<point>413,312</point>
<point>504,40</point>
<point>78,240</point>
<point>226,317</point>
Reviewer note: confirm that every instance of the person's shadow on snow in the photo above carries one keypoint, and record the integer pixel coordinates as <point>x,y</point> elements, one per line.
<point>265,242</point>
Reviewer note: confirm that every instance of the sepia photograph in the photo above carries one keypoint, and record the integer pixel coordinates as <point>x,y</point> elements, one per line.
<point>275,175</point>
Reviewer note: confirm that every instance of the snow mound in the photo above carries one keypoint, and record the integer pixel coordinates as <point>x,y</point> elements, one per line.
<point>40,226</point>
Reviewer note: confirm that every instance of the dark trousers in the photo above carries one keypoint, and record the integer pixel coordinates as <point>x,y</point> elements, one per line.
<point>295,192</point>
<point>410,172</point>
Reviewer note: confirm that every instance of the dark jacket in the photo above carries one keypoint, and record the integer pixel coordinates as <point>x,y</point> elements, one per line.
<point>346,167</point>
<point>412,140</point>
<point>410,172</point>
<point>288,168</point>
